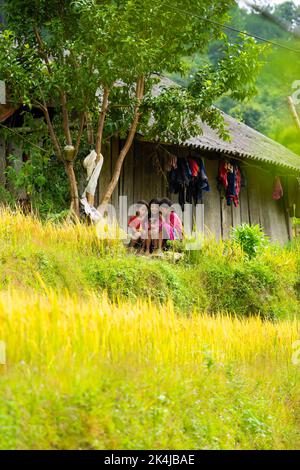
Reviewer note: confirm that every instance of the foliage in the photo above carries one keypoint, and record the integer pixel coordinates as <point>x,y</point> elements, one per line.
<point>66,54</point>
<point>6,197</point>
<point>267,111</point>
<point>251,238</point>
<point>42,178</point>
<point>121,31</point>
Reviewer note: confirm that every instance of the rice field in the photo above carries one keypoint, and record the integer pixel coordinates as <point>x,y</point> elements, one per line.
<point>91,374</point>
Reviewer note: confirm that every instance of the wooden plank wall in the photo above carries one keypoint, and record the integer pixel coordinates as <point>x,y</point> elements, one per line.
<point>212,202</point>
<point>140,179</point>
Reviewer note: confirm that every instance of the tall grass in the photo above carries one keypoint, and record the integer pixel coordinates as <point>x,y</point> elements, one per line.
<point>16,228</point>
<point>38,329</point>
<point>92,374</point>
<point>217,277</point>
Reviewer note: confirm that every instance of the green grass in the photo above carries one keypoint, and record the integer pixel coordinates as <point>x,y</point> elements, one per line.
<point>217,278</point>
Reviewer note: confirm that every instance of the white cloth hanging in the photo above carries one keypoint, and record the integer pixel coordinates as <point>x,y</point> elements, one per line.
<point>93,172</point>
<point>106,228</point>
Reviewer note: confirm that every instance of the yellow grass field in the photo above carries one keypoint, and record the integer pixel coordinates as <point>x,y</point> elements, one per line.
<point>95,375</point>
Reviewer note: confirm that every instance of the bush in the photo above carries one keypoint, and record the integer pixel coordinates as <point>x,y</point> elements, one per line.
<point>250,238</point>
<point>245,288</point>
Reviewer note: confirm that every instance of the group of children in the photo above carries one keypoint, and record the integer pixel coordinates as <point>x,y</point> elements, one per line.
<point>153,225</point>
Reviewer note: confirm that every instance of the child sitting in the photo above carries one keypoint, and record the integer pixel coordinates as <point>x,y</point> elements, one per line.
<point>160,229</point>
<point>152,242</point>
<point>171,220</point>
<point>138,226</point>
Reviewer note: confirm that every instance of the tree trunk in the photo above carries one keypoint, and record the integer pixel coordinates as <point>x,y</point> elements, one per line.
<point>119,163</point>
<point>69,168</point>
<point>293,112</point>
<point>101,121</point>
<point>118,167</point>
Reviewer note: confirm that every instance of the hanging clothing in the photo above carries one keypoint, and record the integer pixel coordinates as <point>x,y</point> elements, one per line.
<point>277,190</point>
<point>173,183</point>
<point>93,172</point>
<point>194,167</point>
<point>170,162</point>
<point>230,179</point>
<point>188,180</point>
<point>222,178</point>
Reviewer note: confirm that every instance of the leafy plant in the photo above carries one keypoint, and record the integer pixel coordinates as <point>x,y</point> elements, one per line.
<point>250,238</point>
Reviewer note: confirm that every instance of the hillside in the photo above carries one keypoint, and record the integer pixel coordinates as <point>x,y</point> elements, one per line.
<point>107,350</point>
<point>218,278</point>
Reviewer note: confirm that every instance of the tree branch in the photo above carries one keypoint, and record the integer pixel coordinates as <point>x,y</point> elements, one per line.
<point>53,136</point>
<point>89,128</point>
<point>101,122</point>
<point>118,167</point>
<point>80,131</point>
<point>42,49</point>
<point>63,97</point>
<point>66,124</point>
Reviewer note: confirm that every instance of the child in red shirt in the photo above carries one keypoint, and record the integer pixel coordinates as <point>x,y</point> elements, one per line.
<point>138,226</point>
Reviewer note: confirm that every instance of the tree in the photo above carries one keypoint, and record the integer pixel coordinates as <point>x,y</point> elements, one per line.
<point>95,63</point>
<point>267,111</point>
<point>286,16</point>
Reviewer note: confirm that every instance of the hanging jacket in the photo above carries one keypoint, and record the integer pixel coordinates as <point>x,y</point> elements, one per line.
<point>194,167</point>
<point>231,187</point>
<point>204,178</point>
<point>230,180</point>
<point>198,182</point>
<point>173,181</point>
<point>222,176</point>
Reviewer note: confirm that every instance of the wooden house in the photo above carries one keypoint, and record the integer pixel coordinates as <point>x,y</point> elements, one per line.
<point>260,158</point>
